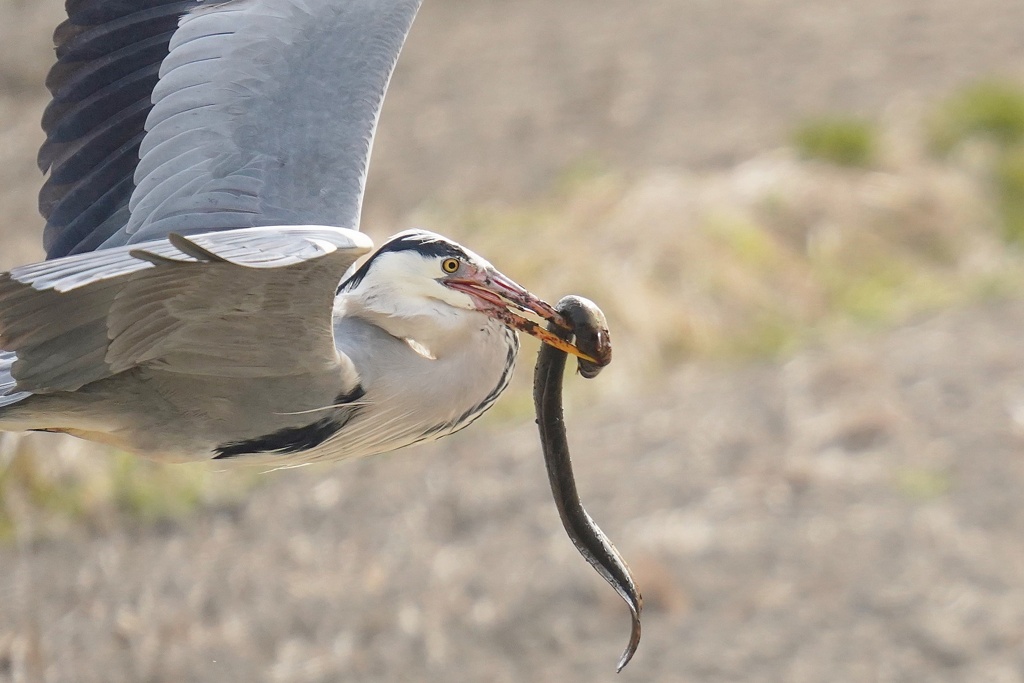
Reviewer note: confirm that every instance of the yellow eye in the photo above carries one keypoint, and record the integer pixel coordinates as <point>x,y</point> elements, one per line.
<point>450,265</point>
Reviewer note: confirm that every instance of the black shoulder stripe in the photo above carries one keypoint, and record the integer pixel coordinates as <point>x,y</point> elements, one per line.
<point>352,396</point>
<point>288,440</point>
<point>296,439</point>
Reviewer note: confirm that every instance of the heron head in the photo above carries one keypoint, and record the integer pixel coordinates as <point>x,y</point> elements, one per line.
<point>418,273</point>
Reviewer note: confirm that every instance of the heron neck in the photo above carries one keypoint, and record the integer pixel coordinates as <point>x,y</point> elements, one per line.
<point>437,336</point>
<point>468,372</point>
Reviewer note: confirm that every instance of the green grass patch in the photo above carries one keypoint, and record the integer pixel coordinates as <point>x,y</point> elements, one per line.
<point>846,141</point>
<point>1009,182</point>
<point>154,492</point>
<point>26,488</point>
<point>46,490</point>
<point>922,484</point>
<point>991,109</point>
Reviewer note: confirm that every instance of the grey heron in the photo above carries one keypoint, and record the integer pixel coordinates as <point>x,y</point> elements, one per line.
<point>207,161</point>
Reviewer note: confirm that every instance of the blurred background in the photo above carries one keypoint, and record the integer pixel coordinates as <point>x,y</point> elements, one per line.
<point>804,221</point>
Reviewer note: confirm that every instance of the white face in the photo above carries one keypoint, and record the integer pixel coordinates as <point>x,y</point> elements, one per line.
<point>411,275</point>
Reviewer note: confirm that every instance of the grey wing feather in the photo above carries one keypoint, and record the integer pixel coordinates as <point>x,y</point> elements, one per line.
<point>199,115</point>
<point>108,57</point>
<point>265,114</point>
<point>242,303</point>
<point>7,393</point>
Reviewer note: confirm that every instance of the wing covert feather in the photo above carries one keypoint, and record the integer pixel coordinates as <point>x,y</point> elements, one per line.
<point>243,303</point>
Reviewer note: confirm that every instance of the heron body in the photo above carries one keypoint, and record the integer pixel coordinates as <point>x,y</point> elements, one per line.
<point>413,351</point>
<point>202,297</point>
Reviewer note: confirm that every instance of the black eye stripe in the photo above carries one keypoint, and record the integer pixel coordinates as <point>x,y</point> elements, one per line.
<point>424,243</point>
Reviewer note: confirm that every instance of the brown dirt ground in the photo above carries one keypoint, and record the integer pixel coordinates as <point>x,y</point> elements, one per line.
<point>852,514</point>
<point>849,514</point>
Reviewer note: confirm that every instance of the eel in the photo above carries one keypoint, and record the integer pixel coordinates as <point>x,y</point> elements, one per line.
<point>590,329</point>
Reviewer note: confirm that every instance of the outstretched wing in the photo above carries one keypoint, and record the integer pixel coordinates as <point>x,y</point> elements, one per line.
<point>191,116</point>
<point>244,303</point>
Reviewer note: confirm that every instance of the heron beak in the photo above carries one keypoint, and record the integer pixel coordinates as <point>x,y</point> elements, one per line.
<point>496,295</point>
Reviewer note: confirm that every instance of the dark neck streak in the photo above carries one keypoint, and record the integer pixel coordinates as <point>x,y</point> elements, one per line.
<point>471,415</point>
